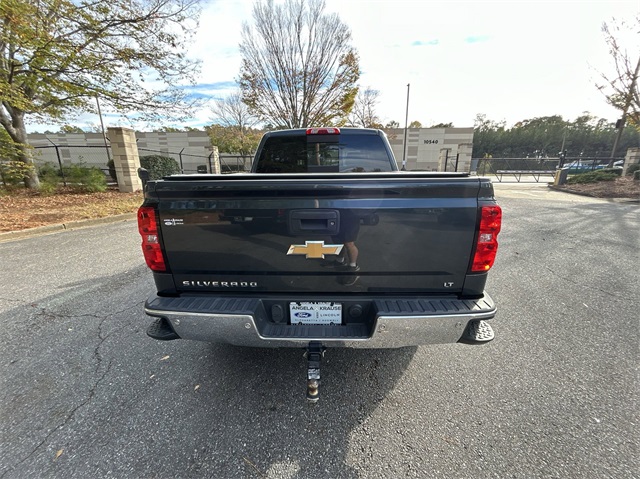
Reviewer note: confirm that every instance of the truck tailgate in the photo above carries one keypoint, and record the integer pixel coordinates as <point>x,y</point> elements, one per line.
<point>281,234</point>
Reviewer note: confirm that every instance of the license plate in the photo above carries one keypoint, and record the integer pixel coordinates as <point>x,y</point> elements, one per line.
<point>315,312</point>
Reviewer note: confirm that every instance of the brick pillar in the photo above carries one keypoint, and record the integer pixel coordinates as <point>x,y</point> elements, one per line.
<point>125,158</point>
<point>464,157</point>
<point>443,161</point>
<point>215,161</point>
<point>633,157</point>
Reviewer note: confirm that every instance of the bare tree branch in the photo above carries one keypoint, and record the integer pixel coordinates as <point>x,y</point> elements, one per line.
<point>298,67</point>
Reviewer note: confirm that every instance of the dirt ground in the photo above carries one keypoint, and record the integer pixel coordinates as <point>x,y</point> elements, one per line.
<point>22,209</point>
<point>624,187</point>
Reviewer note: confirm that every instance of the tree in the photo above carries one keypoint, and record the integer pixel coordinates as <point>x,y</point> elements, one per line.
<point>415,124</point>
<point>486,136</point>
<point>364,113</point>
<point>392,124</point>
<point>298,66</point>
<point>442,125</point>
<point>233,112</point>
<point>167,129</point>
<point>621,88</point>
<point>8,149</point>
<point>59,55</point>
<point>71,129</point>
<point>232,131</point>
<point>545,137</point>
<point>229,139</point>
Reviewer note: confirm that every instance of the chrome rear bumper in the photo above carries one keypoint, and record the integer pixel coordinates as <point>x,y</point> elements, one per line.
<point>393,323</point>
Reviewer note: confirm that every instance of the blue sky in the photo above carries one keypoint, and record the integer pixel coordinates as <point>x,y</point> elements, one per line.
<point>510,60</point>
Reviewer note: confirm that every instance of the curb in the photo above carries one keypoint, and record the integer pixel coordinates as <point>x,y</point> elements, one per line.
<point>71,225</point>
<point>589,195</point>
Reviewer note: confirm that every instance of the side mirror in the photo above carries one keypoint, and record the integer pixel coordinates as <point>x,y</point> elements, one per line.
<point>143,175</point>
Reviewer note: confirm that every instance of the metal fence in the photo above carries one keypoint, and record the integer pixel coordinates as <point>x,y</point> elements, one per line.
<point>65,155</point>
<point>235,163</point>
<point>451,162</point>
<point>188,162</point>
<point>535,167</point>
<point>99,156</point>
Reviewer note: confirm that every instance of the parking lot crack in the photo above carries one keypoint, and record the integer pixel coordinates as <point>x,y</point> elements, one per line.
<point>12,300</point>
<point>90,395</point>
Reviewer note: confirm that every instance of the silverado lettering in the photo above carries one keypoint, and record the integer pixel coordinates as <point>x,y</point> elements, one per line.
<point>352,252</point>
<point>222,284</point>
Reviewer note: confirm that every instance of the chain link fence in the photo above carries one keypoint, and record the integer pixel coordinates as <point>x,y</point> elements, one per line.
<point>100,156</point>
<point>499,167</point>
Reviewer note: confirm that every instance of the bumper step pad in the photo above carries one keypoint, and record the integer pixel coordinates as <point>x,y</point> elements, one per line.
<point>161,330</point>
<point>478,332</point>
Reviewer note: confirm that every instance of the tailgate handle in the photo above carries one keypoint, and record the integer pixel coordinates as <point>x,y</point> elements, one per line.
<point>325,222</point>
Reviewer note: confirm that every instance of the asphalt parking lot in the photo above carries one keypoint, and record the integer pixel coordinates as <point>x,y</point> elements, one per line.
<point>85,393</point>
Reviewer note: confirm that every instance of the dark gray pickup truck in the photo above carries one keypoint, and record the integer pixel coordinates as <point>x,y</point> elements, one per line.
<point>323,244</point>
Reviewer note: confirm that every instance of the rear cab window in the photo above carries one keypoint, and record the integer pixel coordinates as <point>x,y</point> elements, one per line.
<point>323,153</point>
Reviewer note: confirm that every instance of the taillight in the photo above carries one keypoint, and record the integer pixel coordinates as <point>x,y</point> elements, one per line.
<point>323,131</point>
<point>487,244</point>
<point>148,228</point>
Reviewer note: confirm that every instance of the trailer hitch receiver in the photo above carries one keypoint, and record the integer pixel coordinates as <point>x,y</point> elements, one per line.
<point>315,352</point>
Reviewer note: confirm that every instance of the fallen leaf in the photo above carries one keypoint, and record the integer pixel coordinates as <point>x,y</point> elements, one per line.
<point>165,357</point>
<point>197,387</point>
<point>58,454</point>
<point>254,466</point>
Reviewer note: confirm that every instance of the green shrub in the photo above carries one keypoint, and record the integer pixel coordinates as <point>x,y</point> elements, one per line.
<point>592,177</point>
<point>14,172</point>
<point>48,188</point>
<point>79,177</point>
<point>616,171</point>
<point>631,169</point>
<point>50,178</point>
<point>636,175</point>
<point>85,179</point>
<point>159,166</point>
<point>49,171</point>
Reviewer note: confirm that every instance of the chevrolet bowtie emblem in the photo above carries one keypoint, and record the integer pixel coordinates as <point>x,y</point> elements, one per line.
<point>315,249</point>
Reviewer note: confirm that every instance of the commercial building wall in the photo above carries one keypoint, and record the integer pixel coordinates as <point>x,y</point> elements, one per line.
<point>190,149</point>
<point>426,148</point>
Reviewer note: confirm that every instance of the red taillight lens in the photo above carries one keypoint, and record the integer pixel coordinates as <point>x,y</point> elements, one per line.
<point>323,131</point>
<point>487,245</point>
<point>148,228</point>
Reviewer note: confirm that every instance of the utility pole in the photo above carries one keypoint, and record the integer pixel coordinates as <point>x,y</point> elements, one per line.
<point>104,137</point>
<point>406,123</point>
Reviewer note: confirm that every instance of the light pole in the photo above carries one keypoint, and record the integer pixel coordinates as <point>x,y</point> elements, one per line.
<point>406,123</point>
<point>104,137</point>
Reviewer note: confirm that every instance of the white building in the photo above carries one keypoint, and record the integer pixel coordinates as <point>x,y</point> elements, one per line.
<point>428,149</point>
<point>431,149</point>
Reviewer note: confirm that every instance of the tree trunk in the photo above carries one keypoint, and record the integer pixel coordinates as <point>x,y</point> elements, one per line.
<point>18,133</point>
<point>31,179</point>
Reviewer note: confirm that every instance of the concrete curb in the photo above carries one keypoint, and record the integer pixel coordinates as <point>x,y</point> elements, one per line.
<point>71,225</point>
<point>589,195</point>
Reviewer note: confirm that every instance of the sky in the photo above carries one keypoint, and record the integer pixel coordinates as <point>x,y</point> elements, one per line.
<point>510,60</point>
